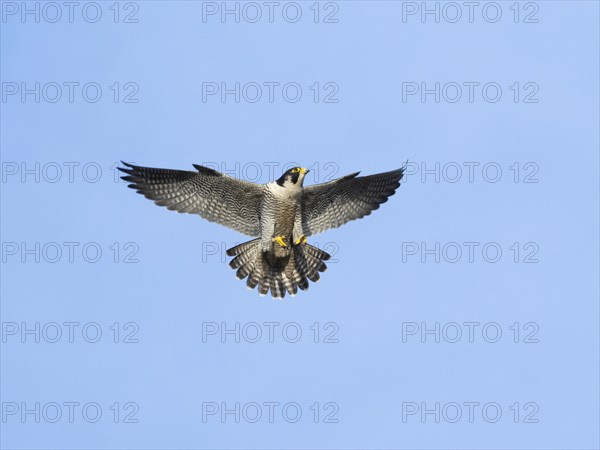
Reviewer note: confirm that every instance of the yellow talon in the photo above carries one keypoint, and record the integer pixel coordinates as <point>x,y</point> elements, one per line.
<point>301,240</point>
<point>279,240</point>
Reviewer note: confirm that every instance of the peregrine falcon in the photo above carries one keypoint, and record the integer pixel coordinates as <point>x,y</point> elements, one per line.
<point>280,214</point>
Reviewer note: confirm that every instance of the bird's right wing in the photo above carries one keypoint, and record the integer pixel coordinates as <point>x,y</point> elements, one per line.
<point>330,205</point>
<point>208,193</point>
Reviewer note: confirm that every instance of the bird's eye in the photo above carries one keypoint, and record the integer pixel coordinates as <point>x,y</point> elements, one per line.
<point>296,169</point>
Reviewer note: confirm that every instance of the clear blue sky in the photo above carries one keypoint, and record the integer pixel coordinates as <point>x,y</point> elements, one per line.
<point>527,106</point>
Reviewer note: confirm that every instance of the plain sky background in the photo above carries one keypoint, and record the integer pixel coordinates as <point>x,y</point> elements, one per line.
<point>377,287</point>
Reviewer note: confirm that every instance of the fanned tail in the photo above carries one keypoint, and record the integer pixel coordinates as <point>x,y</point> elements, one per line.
<point>278,274</point>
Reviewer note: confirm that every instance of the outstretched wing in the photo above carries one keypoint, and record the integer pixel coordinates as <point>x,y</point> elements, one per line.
<point>214,196</point>
<point>330,205</point>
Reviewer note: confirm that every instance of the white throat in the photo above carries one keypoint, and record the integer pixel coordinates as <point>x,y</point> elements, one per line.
<point>287,191</point>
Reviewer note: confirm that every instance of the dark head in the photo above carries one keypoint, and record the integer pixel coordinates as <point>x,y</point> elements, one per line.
<point>294,177</point>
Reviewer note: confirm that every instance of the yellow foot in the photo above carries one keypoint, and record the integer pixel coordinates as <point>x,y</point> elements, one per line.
<point>301,240</point>
<point>280,240</point>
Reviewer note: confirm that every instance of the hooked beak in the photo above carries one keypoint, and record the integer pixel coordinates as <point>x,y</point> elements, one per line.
<point>304,170</point>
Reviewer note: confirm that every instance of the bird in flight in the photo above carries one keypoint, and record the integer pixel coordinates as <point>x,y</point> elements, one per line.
<point>280,215</point>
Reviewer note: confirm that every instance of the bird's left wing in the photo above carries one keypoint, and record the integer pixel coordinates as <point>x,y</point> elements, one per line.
<point>330,205</point>
<point>211,194</point>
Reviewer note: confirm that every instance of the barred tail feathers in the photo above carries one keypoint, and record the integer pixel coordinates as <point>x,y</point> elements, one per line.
<point>278,274</point>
